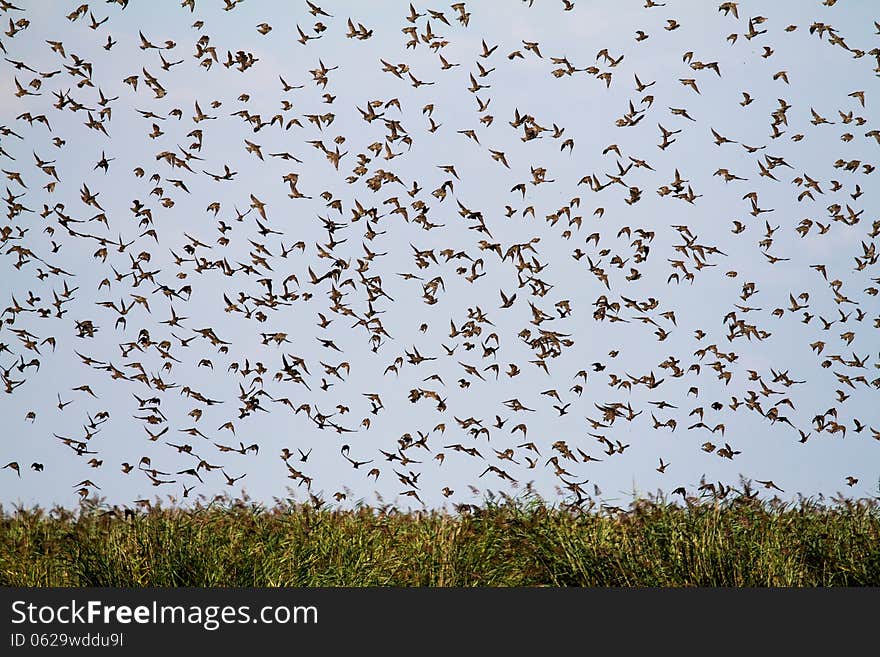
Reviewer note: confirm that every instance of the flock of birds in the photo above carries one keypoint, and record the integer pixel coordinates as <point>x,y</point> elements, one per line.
<point>304,266</point>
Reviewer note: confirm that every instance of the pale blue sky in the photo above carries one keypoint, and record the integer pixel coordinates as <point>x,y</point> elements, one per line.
<point>821,76</point>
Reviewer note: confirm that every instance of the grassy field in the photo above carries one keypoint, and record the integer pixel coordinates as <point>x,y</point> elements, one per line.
<point>738,542</point>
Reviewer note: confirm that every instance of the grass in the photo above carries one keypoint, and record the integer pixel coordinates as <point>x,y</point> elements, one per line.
<point>734,542</point>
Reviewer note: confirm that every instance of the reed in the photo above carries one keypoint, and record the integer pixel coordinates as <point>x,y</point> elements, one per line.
<point>524,542</point>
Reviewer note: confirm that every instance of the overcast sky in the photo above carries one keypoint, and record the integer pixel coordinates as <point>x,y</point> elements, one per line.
<point>795,71</point>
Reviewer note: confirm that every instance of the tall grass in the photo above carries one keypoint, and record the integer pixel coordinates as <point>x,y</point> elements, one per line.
<point>739,542</point>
